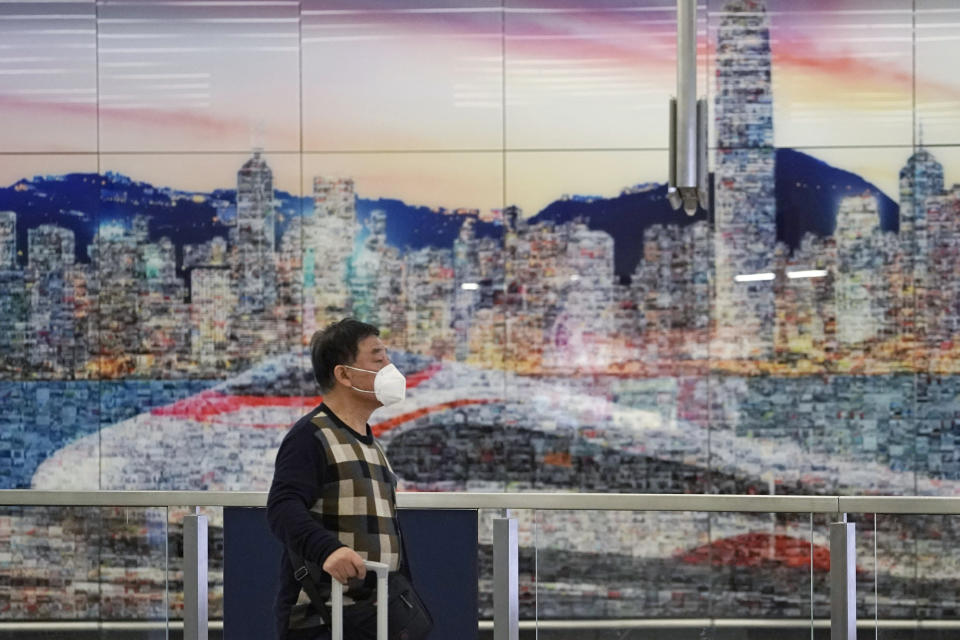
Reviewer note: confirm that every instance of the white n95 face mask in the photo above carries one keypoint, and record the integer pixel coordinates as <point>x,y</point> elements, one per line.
<point>389,386</point>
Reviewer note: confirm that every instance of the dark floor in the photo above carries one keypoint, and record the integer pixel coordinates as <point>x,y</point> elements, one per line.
<point>726,634</point>
<point>576,634</point>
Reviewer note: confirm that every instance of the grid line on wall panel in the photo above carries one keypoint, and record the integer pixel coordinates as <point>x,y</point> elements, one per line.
<point>442,151</point>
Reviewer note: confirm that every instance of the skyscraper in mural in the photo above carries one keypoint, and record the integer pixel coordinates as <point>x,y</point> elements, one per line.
<point>745,205</point>
<point>858,240</point>
<point>13,303</point>
<point>254,268</point>
<point>328,239</point>
<point>941,302</point>
<point>920,179</point>
<point>51,248</point>
<point>8,240</point>
<point>365,268</point>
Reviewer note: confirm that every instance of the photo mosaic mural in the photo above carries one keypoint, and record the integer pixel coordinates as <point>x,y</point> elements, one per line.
<point>181,209</point>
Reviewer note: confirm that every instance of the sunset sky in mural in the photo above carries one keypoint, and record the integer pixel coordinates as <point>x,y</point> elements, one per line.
<point>419,104</point>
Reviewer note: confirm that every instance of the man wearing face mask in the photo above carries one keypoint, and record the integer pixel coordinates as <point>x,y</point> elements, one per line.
<point>333,500</point>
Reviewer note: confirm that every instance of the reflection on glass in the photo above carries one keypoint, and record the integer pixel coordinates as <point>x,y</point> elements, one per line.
<point>84,563</point>
<point>896,539</point>
<point>597,565</point>
<point>764,565</point>
<point>840,74</point>
<point>936,88</point>
<point>170,73</point>
<point>133,560</point>
<point>438,73</point>
<point>50,558</point>
<point>48,77</point>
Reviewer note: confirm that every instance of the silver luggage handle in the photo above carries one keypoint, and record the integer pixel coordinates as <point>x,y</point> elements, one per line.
<point>336,601</point>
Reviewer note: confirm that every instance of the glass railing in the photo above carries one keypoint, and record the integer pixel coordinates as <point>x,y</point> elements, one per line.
<point>627,566</point>
<point>92,564</point>
<point>105,564</point>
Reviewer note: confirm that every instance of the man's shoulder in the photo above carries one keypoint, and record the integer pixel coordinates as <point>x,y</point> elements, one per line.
<point>304,427</point>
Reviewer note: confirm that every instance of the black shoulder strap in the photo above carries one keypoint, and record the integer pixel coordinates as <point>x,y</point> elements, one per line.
<point>301,572</point>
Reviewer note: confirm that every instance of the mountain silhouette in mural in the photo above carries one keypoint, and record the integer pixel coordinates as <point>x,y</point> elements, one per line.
<point>624,217</point>
<point>83,201</point>
<point>804,208</point>
<point>801,208</point>
<point>69,201</point>
<point>414,227</point>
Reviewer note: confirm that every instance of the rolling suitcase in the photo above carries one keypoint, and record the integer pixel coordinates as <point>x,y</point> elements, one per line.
<point>336,602</point>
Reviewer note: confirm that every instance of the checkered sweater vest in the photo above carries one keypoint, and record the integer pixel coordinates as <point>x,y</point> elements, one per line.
<point>358,498</point>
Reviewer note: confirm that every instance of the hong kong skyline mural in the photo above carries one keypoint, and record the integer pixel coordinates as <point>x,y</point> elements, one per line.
<point>504,223</point>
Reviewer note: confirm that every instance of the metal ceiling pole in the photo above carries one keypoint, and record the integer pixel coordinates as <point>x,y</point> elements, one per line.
<point>688,120</point>
<point>686,93</point>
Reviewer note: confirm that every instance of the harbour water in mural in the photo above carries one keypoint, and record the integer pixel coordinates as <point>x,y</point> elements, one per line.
<point>560,330</point>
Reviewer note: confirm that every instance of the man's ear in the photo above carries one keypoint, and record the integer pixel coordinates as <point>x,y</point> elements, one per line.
<point>341,373</point>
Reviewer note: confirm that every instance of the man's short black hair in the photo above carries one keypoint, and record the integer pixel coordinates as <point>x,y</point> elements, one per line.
<point>337,344</point>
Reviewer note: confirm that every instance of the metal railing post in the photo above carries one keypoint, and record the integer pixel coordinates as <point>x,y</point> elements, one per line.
<point>195,577</point>
<point>506,600</point>
<point>843,579</point>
